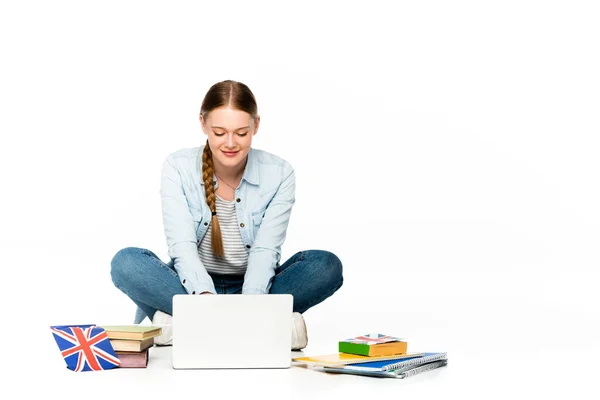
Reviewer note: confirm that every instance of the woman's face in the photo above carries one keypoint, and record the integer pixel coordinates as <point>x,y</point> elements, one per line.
<point>229,134</point>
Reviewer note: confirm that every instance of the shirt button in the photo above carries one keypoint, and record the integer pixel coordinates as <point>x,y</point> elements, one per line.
<point>247,246</point>
<point>206,224</point>
<point>183,282</point>
<point>238,199</point>
<point>242,225</point>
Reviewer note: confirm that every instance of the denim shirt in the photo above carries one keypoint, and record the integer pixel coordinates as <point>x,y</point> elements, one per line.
<point>263,204</point>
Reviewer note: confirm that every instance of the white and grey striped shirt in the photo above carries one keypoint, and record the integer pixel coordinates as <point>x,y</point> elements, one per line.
<point>235,260</point>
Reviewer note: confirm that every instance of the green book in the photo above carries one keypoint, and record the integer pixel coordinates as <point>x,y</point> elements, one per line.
<point>373,345</point>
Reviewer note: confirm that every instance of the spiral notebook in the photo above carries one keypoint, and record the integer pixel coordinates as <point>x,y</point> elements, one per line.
<point>390,365</point>
<point>398,374</point>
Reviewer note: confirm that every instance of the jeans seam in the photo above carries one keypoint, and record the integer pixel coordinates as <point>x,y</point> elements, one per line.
<point>287,269</point>
<point>163,265</point>
<point>301,258</point>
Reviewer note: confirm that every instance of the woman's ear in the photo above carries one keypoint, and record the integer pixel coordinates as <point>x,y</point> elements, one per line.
<point>203,124</point>
<point>256,123</point>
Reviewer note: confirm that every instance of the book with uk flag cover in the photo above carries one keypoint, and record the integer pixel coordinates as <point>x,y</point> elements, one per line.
<point>85,347</point>
<point>373,345</point>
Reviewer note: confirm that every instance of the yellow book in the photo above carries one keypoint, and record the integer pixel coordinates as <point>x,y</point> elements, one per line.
<point>331,360</point>
<point>131,345</point>
<point>131,332</point>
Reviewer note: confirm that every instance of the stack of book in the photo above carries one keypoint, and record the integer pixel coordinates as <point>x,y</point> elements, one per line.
<point>375,355</point>
<point>132,343</point>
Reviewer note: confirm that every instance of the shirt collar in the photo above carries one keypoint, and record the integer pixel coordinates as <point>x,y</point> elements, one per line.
<point>250,172</point>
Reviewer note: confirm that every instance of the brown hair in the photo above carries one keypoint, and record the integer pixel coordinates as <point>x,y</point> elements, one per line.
<point>222,94</point>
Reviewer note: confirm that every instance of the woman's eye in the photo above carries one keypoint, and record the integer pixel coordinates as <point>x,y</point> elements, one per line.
<point>239,134</point>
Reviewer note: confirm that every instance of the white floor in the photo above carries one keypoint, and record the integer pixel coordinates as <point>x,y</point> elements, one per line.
<point>519,323</point>
<point>532,357</point>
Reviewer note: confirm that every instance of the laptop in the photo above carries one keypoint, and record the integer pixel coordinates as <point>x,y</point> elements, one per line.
<point>232,331</point>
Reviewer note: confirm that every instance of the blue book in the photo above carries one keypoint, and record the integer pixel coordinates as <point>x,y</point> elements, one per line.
<point>396,365</point>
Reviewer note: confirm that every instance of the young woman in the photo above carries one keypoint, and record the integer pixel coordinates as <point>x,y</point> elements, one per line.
<point>226,208</point>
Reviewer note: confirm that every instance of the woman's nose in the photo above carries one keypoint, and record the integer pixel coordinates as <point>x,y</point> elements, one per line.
<point>230,141</point>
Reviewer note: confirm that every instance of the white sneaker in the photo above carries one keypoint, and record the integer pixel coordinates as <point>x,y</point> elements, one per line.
<point>165,321</point>
<point>299,335</point>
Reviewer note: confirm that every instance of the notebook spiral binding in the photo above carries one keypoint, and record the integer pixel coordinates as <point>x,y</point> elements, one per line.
<point>423,368</point>
<point>414,361</point>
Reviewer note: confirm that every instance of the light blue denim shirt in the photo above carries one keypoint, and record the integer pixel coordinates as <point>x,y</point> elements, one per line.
<point>263,204</point>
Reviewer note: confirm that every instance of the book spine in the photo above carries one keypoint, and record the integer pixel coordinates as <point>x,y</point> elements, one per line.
<point>423,368</point>
<point>415,361</point>
<point>353,348</point>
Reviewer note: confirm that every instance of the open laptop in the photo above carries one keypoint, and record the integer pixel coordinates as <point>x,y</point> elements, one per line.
<point>232,331</point>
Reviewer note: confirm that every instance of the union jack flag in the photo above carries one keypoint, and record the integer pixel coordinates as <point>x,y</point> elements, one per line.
<point>85,347</point>
<point>373,338</point>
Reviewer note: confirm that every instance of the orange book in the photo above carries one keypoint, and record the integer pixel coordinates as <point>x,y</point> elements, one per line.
<point>373,344</point>
<point>331,360</point>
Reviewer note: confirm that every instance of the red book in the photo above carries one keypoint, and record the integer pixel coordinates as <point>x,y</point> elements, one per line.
<point>131,359</point>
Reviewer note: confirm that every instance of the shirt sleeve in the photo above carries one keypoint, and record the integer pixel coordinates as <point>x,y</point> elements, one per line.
<point>266,249</point>
<point>180,232</point>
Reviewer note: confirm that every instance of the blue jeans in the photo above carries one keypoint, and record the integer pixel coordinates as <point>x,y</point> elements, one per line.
<point>309,276</point>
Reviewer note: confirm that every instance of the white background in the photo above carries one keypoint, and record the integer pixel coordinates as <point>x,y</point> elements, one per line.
<point>447,152</point>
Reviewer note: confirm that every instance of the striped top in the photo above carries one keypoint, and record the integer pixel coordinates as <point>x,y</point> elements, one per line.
<point>235,260</point>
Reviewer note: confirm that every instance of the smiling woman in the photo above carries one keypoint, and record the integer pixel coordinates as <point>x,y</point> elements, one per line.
<point>226,208</point>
